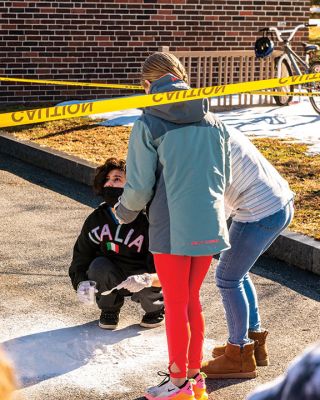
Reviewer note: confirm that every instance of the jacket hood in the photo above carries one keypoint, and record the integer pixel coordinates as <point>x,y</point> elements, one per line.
<point>179,113</point>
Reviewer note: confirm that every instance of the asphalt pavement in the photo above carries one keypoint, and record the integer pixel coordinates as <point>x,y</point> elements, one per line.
<point>55,343</point>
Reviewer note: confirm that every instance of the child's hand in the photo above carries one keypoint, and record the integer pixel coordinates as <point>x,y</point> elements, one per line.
<point>135,283</point>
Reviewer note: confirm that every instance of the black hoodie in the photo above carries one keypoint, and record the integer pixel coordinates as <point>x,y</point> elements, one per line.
<point>101,235</point>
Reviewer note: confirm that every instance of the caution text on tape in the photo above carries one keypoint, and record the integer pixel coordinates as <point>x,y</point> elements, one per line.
<point>123,103</point>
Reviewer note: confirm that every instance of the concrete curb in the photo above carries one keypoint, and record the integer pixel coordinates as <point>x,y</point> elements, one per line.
<point>298,250</point>
<point>50,159</point>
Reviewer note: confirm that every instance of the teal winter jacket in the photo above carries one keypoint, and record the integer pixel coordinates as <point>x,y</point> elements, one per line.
<point>178,165</point>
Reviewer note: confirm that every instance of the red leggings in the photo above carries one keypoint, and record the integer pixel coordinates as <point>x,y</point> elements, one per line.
<point>181,278</point>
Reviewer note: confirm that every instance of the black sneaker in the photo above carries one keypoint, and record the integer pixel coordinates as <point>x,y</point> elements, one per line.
<point>152,319</point>
<point>109,319</point>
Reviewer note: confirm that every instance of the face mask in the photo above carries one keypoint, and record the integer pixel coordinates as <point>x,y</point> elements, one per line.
<point>111,195</point>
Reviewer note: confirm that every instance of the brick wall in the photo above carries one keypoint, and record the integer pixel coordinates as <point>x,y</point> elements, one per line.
<point>107,41</point>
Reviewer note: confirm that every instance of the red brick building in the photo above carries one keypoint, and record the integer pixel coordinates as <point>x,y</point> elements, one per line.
<point>107,40</point>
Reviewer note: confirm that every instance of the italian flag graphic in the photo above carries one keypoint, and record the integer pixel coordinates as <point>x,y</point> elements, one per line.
<point>113,247</point>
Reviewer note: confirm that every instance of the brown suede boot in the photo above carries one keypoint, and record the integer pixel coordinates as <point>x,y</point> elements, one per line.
<point>219,350</point>
<point>260,352</point>
<point>236,362</point>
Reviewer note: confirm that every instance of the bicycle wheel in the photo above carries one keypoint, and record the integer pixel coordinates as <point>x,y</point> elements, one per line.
<point>285,71</point>
<point>315,86</point>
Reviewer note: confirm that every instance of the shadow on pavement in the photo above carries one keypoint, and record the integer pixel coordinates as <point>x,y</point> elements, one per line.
<point>49,180</point>
<point>303,282</point>
<point>45,355</point>
<point>215,384</point>
<point>272,122</point>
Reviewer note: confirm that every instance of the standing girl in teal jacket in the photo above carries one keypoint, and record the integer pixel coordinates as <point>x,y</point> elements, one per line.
<point>178,166</point>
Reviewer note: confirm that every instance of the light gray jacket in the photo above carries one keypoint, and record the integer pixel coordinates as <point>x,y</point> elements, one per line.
<point>178,165</point>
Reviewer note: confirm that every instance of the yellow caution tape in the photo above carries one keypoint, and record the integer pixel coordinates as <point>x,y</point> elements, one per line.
<point>82,109</point>
<point>69,83</point>
<point>135,87</point>
<point>285,93</point>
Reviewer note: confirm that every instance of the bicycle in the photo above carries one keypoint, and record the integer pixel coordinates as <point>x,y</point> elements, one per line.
<point>289,61</point>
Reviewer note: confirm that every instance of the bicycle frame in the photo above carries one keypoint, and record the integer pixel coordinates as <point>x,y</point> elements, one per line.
<point>293,59</point>
<point>288,54</point>
<point>294,64</point>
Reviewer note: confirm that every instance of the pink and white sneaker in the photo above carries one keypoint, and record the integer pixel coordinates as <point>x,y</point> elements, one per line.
<point>199,387</point>
<point>168,391</point>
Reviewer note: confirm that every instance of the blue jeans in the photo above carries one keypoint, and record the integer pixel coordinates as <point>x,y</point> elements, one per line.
<point>248,241</point>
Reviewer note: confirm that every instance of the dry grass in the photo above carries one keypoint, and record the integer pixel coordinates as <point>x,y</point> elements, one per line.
<point>80,137</point>
<point>86,139</point>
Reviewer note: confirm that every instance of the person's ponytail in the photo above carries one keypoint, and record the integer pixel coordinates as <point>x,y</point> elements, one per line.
<point>161,63</point>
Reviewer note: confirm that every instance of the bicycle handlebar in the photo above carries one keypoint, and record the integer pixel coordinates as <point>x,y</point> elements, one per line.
<point>292,31</point>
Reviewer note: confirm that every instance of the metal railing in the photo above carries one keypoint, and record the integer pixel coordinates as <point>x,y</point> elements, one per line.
<point>211,68</point>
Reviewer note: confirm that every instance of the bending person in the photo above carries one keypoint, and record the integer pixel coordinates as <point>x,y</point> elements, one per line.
<point>178,163</point>
<point>260,203</point>
<point>111,254</point>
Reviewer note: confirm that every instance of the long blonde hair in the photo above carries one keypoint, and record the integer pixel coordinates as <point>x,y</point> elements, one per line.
<point>161,63</point>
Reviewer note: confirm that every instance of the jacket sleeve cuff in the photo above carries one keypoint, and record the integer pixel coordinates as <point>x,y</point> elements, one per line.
<point>126,215</point>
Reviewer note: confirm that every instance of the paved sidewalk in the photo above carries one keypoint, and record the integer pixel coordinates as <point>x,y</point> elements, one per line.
<point>60,352</point>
